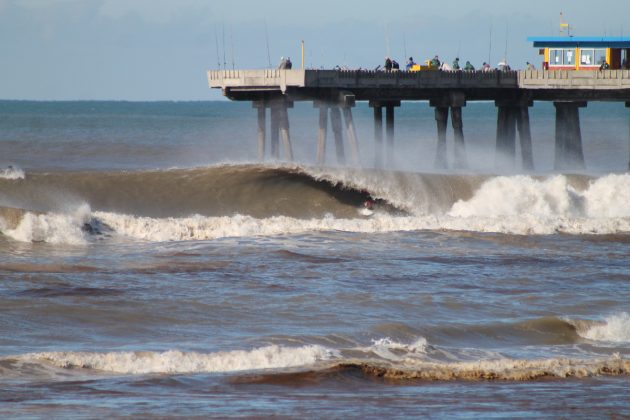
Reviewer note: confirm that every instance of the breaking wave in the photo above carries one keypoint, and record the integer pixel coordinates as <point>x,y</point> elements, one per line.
<point>384,358</point>
<point>11,172</point>
<point>253,200</point>
<point>614,329</point>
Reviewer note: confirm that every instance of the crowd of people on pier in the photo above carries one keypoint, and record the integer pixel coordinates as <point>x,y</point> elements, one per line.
<point>436,64</point>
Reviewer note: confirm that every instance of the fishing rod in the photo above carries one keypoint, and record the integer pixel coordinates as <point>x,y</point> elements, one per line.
<point>216,43</point>
<point>232,47</point>
<point>267,40</point>
<point>224,61</point>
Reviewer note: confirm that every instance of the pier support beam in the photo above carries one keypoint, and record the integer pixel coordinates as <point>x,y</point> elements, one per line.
<point>261,108</point>
<point>458,135</point>
<point>568,148</point>
<point>378,136</point>
<point>513,114</point>
<point>352,136</point>
<point>628,106</point>
<point>322,132</point>
<point>454,100</point>
<point>346,102</point>
<point>284,133</point>
<point>274,135</point>
<point>525,135</point>
<point>335,121</point>
<point>389,129</point>
<point>441,118</point>
<point>280,128</point>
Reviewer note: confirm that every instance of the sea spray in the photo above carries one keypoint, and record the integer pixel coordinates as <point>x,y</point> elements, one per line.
<point>55,228</point>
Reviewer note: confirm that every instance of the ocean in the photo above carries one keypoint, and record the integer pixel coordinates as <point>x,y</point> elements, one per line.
<point>151,267</point>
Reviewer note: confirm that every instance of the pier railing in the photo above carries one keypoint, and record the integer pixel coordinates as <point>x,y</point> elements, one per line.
<point>403,85</point>
<point>570,79</point>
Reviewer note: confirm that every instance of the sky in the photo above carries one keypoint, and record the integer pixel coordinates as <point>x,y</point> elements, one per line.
<point>144,50</point>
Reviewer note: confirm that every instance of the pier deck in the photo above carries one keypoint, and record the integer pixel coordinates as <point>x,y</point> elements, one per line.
<point>335,92</point>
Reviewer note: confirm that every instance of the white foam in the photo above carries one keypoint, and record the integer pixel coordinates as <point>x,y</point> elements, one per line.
<point>55,228</point>
<point>389,349</point>
<point>616,329</point>
<point>12,172</point>
<point>175,362</point>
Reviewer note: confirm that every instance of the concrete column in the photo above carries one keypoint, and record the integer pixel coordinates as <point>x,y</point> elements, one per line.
<point>458,130</point>
<point>506,137</point>
<point>378,136</point>
<point>352,136</point>
<point>284,133</point>
<point>275,132</point>
<point>441,118</point>
<point>389,128</point>
<point>574,151</point>
<point>628,106</point>
<point>335,121</point>
<point>261,129</point>
<point>568,148</point>
<point>321,134</point>
<point>525,135</point>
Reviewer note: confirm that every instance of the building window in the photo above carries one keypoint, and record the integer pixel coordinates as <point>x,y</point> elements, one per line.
<point>555,57</point>
<point>600,56</point>
<point>587,57</point>
<point>569,57</point>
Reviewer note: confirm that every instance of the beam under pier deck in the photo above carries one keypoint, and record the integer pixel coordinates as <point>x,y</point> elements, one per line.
<point>378,135</point>
<point>389,130</point>
<point>322,132</point>
<point>274,135</point>
<point>441,118</point>
<point>568,147</point>
<point>513,114</point>
<point>628,106</point>
<point>335,121</point>
<point>458,135</point>
<point>525,135</point>
<point>261,108</point>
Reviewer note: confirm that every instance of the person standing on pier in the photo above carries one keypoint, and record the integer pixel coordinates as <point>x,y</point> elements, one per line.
<point>469,66</point>
<point>283,63</point>
<point>456,64</point>
<point>435,63</point>
<point>388,64</point>
<point>410,64</point>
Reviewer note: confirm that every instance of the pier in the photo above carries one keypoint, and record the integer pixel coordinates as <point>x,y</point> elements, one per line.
<point>335,92</point>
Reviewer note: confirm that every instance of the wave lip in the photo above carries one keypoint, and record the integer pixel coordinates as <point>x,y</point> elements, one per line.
<point>615,329</point>
<point>56,228</point>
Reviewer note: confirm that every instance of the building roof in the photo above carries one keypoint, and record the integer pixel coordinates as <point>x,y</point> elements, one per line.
<point>581,41</point>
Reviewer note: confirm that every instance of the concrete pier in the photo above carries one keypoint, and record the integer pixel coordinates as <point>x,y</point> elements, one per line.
<point>512,91</point>
<point>378,134</point>
<point>335,120</point>
<point>568,147</point>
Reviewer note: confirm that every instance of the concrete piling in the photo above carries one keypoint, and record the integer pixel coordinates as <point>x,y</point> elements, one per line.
<point>274,135</point>
<point>458,135</point>
<point>260,106</point>
<point>441,118</point>
<point>284,132</point>
<point>389,129</point>
<point>378,135</point>
<point>513,115</point>
<point>335,121</point>
<point>351,134</point>
<point>525,135</point>
<point>568,146</point>
<point>322,133</point>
